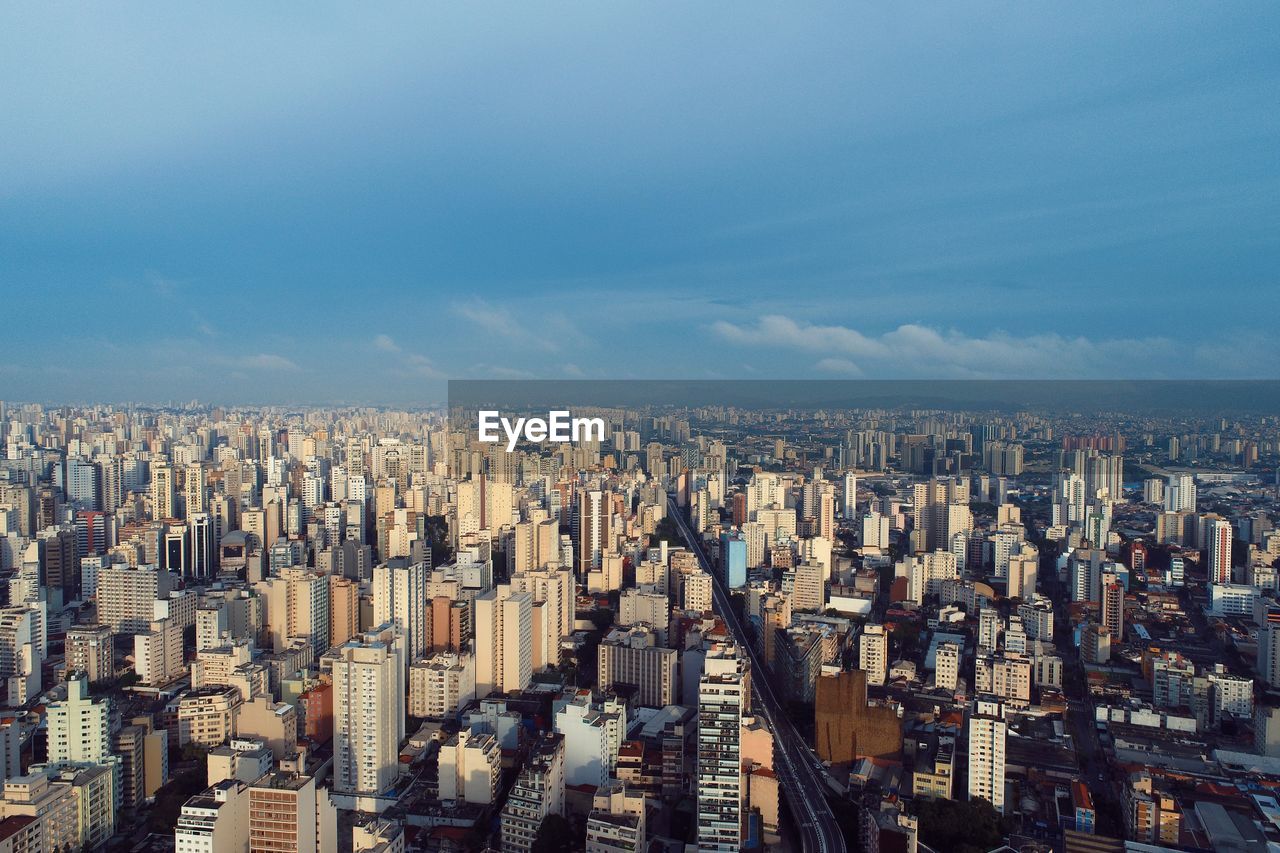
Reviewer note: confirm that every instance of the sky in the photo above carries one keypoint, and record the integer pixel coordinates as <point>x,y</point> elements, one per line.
<point>261,203</point>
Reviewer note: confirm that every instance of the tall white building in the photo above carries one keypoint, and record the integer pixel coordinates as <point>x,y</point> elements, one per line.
<point>947,666</point>
<point>1180,493</point>
<point>873,653</point>
<point>589,742</point>
<point>368,711</point>
<point>79,727</point>
<point>987,730</point>
<point>697,591</point>
<point>22,640</point>
<point>400,598</point>
<point>849,495</point>
<point>722,699</point>
<point>875,531</point>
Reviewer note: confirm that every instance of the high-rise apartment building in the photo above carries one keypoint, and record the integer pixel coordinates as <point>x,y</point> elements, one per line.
<point>873,653</point>
<point>594,510</point>
<point>89,650</point>
<point>400,598</point>
<point>126,596</point>
<point>722,698</point>
<point>1217,548</point>
<point>1113,606</point>
<point>537,793</point>
<point>164,496</point>
<point>368,711</point>
<point>1180,493</point>
<point>288,812</point>
<point>987,732</point>
<point>504,640</point>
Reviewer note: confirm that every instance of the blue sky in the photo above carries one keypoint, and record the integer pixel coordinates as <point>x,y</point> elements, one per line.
<point>249,203</point>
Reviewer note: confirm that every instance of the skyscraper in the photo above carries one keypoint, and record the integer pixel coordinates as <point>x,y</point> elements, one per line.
<point>733,559</point>
<point>873,653</point>
<point>504,641</point>
<point>1180,493</point>
<point>1218,550</point>
<point>849,497</point>
<point>163,494</point>
<point>593,530</point>
<point>722,693</point>
<point>400,598</point>
<point>1113,606</point>
<point>987,730</point>
<point>368,711</point>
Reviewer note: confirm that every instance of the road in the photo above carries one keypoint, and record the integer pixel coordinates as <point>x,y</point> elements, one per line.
<point>795,764</point>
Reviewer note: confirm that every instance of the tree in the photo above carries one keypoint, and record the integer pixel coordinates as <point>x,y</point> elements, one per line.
<point>666,531</point>
<point>963,826</point>
<point>555,835</point>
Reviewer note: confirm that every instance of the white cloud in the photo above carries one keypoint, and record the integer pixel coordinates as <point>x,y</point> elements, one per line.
<point>500,372</point>
<point>842,366</point>
<point>548,331</point>
<point>265,361</point>
<point>385,343</point>
<point>917,350</point>
<point>421,367</point>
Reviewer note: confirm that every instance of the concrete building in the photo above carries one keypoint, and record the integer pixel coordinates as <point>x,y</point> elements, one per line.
<point>947,666</point>
<point>125,596</point>
<point>469,768</point>
<point>207,717</point>
<point>723,694</point>
<point>873,653</point>
<point>215,820</point>
<point>441,685</point>
<point>368,712</point>
<point>89,649</point>
<point>504,641</point>
<point>287,812</point>
<point>590,751</point>
<point>697,592</point>
<point>400,598</point>
<point>274,724</point>
<point>538,792</point>
<point>157,654</point>
<point>987,732</point>
<point>634,656</point>
<point>616,823</point>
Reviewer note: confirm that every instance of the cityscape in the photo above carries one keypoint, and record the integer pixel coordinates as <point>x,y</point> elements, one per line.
<point>660,427</point>
<point>706,627</point>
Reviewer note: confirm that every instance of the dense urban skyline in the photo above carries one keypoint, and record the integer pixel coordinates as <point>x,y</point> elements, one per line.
<point>650,428</point>
<point>779,627</point>
<point>230,204</point>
